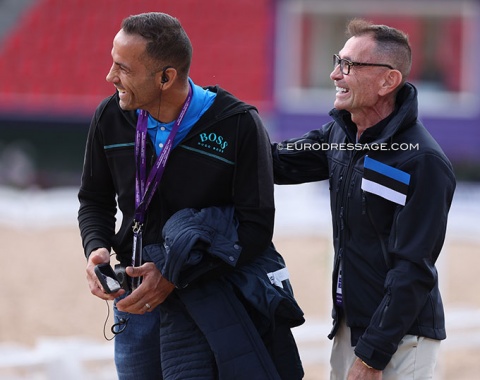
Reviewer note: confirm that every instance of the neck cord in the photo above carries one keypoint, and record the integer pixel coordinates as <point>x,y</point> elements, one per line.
<point>145,186</point>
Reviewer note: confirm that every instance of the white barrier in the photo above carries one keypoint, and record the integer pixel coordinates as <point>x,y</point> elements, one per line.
<point>58,359</point>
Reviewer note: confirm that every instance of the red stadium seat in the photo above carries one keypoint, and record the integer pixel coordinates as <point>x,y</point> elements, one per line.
<point>62,48</point>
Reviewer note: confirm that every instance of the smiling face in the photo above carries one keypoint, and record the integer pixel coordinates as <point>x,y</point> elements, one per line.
<point>132,74</point>
<point>361,92</point>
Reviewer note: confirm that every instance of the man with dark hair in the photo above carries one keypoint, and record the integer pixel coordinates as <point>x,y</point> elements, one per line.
<point>391,187</point>
<point>206,295</point>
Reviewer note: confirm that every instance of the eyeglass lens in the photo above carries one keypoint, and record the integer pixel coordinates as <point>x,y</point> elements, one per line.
<point>344,66</point>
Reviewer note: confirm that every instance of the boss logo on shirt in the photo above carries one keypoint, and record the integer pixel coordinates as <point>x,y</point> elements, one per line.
<point>214,141</point>
<point>211,145</point>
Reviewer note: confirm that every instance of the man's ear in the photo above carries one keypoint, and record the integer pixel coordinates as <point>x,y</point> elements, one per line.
<point>391,81</point>
<point>166,77</point>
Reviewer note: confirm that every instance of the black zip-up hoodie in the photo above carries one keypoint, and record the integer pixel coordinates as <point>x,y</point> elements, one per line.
<point>387,251</point>
<point>225,159</point>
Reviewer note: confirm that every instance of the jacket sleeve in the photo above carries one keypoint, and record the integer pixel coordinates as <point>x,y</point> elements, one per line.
<point>253,187</point>
<point>96,215</point>
<point>302,159</point>
<point>417,236</point>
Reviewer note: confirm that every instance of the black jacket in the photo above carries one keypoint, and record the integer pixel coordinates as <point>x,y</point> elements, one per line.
<point>388,251</point>
<point>225,159</point>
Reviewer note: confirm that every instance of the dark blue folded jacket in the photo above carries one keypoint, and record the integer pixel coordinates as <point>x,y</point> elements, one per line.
<point>245,315</point>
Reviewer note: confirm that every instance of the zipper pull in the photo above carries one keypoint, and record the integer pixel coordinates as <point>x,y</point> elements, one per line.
<point>342,222</point>
<point>350,189</point>
<point>339,183</point>
<point>364,203</point>
<point>385,308</point>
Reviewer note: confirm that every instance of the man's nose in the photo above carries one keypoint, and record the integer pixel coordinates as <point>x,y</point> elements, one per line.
<point>111,74</point>
<point>336,73</point>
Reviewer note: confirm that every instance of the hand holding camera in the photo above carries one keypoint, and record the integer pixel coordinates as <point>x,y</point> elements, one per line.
<point>112,280</point>
<point>103,282</point>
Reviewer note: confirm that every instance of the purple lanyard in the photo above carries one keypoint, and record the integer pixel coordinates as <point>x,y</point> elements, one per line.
<point>145,186</point>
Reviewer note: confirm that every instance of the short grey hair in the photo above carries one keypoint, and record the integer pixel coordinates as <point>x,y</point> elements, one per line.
<point>392,44</point>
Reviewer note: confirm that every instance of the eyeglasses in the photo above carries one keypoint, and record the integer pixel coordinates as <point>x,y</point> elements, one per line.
<point>345,64</point>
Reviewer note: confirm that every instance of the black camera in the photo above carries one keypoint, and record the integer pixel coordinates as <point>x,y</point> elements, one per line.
<point>123,278</point>
<point>112,280</point>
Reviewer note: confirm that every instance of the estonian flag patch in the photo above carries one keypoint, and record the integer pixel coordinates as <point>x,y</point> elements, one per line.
<point>386,181</point>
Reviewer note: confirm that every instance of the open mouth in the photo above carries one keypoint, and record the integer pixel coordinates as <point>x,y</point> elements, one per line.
<point>341,90</point>
<point>121,91</point>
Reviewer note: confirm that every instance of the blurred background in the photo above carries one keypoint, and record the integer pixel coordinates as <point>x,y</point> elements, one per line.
<point>274,54</point>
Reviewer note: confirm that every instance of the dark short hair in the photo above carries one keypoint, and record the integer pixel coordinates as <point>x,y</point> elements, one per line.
<point>167,41</point>
<point>392,44</point>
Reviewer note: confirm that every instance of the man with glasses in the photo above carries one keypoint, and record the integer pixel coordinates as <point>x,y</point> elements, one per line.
<point>391,187</point>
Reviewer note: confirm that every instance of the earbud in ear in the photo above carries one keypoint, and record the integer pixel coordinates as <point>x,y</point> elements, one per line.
<point>165,79</point>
